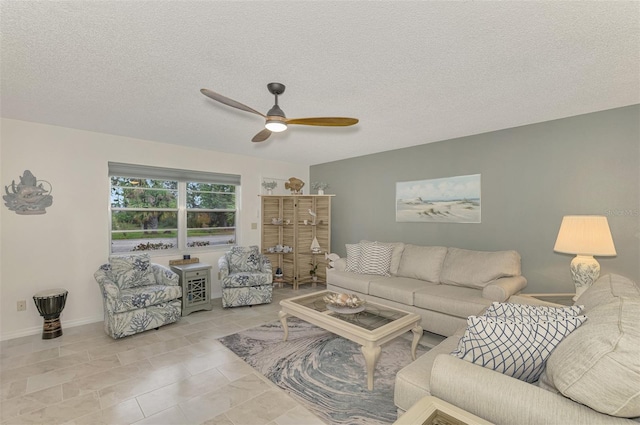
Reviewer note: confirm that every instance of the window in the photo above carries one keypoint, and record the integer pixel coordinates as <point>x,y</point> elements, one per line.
<point>156,208</point>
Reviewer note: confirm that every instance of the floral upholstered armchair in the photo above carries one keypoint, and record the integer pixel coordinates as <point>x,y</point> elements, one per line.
<point>137,295</point>
<point>246,277</point>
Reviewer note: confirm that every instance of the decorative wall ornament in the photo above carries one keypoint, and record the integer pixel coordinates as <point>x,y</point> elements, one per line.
<point>30,196</point>
<point>445,200</point>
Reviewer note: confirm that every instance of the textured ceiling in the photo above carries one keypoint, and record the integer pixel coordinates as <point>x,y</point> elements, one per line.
<point>412,72</point>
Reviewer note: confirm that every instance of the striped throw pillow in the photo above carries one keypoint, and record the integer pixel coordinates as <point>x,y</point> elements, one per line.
<point>353,258</point>
<point>375,259</point>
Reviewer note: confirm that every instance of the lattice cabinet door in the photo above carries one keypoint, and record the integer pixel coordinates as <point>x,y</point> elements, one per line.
<point>196,286</point>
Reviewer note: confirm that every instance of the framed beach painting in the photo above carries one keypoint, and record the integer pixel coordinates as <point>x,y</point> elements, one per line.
<point>444,200</point>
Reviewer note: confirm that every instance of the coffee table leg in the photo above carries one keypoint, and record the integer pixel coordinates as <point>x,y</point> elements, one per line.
<point>371,356</point>
<point>417,334</point>
<point>283,319</point>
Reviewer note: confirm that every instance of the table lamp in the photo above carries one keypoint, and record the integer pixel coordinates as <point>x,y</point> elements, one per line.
<point>585,236</point>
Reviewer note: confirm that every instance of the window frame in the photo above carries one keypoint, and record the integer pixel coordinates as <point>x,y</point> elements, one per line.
<point>182,177</point>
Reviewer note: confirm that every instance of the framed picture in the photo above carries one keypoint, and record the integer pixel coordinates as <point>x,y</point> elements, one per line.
<point>444,200</point>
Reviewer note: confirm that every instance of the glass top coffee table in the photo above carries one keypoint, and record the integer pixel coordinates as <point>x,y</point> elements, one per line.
<point>372,327</point>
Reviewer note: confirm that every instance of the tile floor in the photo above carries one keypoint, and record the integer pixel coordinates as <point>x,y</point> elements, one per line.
<point>179,374</point>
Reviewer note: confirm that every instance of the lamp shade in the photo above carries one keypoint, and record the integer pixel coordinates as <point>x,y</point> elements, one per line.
<point>585,235</point>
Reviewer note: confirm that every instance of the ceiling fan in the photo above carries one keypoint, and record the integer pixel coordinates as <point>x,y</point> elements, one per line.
<point>275,120</point>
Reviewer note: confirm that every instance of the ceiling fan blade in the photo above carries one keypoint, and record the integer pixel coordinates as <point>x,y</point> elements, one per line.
<point>324,121</point>
<point>261,136</point>
<point>229,102</point>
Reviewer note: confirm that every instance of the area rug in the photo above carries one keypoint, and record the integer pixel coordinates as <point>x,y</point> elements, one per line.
<point>323,371</point>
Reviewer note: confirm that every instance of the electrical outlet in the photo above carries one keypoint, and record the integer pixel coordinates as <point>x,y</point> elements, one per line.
<point>22,305</point>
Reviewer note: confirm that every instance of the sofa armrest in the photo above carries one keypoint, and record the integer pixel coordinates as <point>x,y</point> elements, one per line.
<point>223,267</point>
<point>502,399</point>
<point>265,265</point>
<point>501,289</point>
<point>164,275</point>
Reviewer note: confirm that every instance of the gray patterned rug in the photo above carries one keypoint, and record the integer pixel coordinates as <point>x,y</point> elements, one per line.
<point>323,371</point>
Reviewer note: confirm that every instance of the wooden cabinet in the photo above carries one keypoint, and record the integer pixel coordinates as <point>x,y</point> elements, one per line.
<point>196,286</point>
<point>288,222</point>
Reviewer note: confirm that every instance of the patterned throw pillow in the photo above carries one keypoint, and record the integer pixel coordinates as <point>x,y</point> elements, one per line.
<point>515,347</point>
<point>510,309</point>
<point>132,271</point>
<point>353,258</point>
<point>375,259</point>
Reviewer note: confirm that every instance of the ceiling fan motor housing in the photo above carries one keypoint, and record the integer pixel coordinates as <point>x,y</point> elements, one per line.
<point>276,88</point>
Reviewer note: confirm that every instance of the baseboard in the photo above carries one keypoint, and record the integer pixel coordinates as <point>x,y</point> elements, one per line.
<point>38,329</point>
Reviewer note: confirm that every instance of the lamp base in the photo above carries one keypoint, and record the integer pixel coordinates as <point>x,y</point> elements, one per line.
<point>584,271</point>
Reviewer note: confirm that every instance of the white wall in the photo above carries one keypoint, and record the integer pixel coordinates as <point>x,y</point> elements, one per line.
<point>65,246</point>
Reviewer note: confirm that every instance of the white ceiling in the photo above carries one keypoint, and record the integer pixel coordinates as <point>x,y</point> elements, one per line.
<point>412,72</point>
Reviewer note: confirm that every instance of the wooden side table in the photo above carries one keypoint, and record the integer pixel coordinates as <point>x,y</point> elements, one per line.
<point>433,411</point>
<point>196,286</point>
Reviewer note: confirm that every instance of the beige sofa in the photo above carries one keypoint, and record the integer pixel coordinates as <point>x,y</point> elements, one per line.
<point>591,377</point>
<point>443,285</point>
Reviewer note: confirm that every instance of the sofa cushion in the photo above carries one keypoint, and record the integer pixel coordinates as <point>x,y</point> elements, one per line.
<point>142,297</point>
<point>132,271</point>
<point>398,289</point>
<point>452,300</point>
<point>599,364</point>
<point>246,279</point>
<point>476,269</point>
<point>352,281</point>
<point>607,288</point>
<point>422,262</point>
<point>396,256</point>
<point>517,346</point>
<point>375,259</point>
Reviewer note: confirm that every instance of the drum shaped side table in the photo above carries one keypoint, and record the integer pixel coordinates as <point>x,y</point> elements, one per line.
<point>50,304</point>
<point>196,286</point>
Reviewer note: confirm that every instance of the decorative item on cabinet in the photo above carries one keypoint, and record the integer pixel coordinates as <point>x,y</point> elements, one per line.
<point>269,185</point>
<point>295,185</point>
<point>315,246</point>
<point>313,271</point>
<point>320,187</point>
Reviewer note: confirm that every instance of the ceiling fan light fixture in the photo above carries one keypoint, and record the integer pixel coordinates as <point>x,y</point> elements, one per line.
<point>276,126</point>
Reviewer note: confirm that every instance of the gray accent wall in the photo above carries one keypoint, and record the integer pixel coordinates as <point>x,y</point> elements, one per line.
<point>531,177</point>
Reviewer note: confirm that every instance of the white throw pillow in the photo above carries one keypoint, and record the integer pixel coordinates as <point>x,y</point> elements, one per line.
<point>517,346</point>
<point>353,258</point>
<point>375,259</point>
<point>511,309</point>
